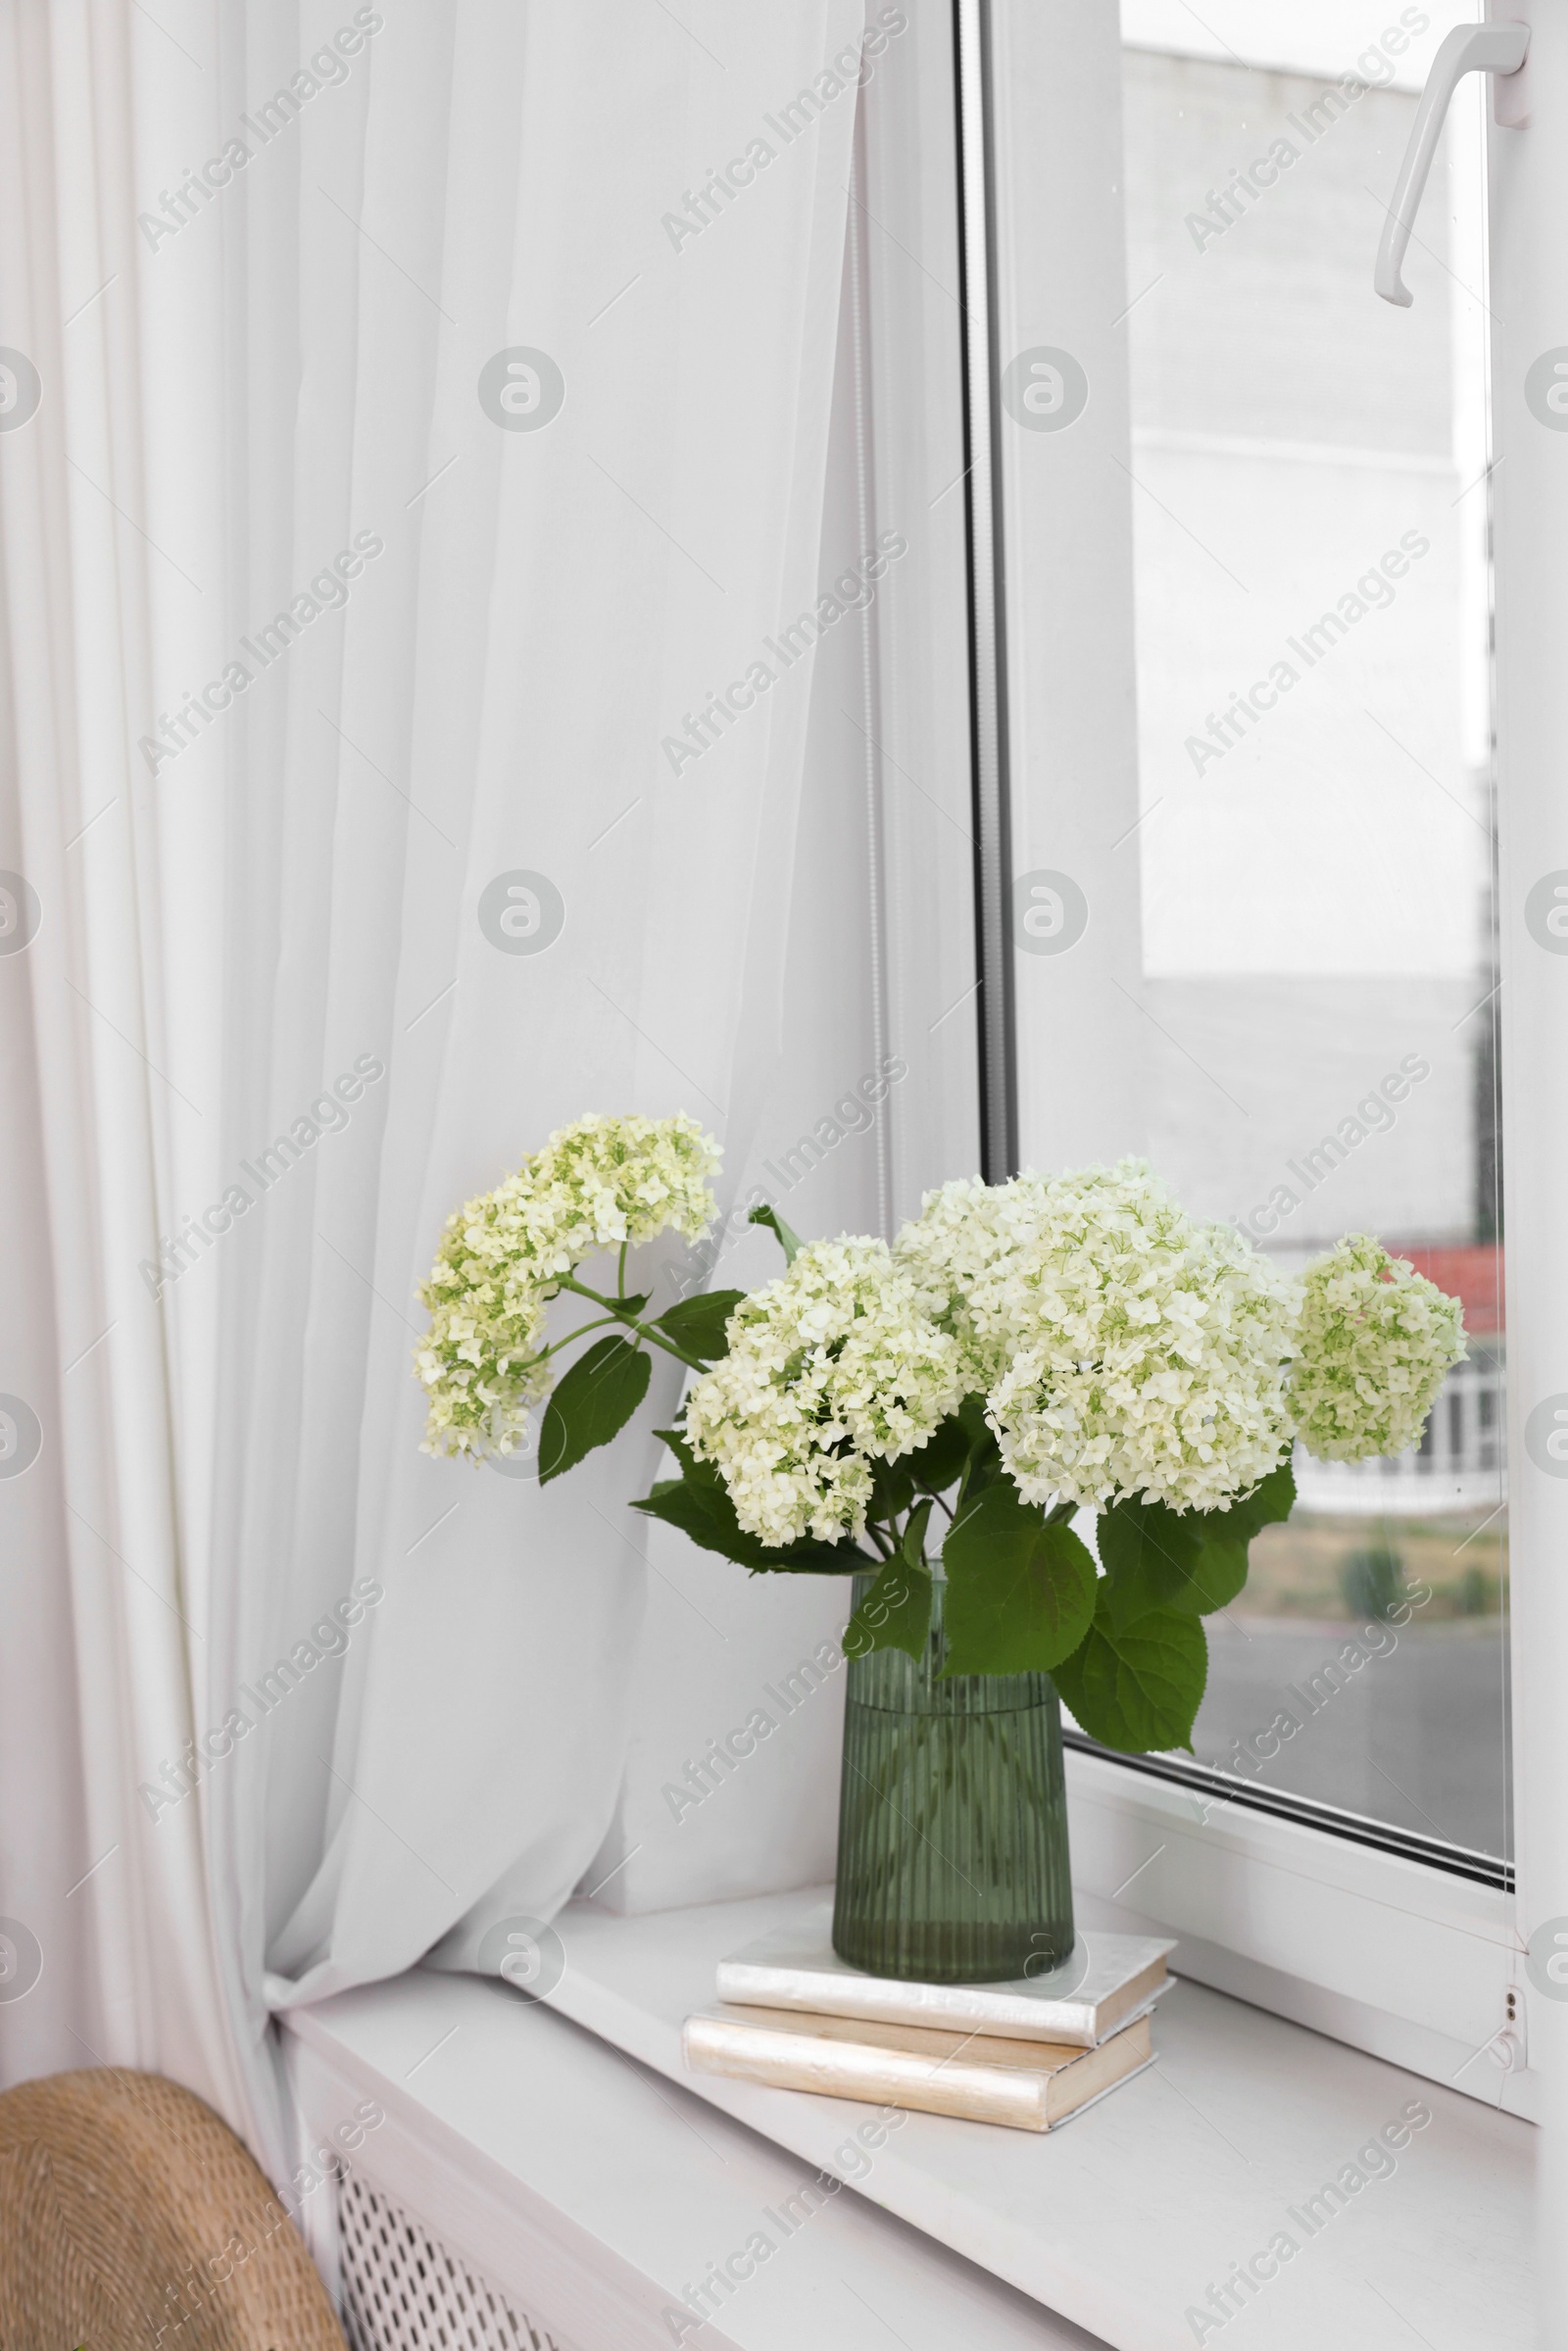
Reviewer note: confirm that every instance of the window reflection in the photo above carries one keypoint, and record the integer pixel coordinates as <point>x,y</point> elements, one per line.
<point>1317,854</point>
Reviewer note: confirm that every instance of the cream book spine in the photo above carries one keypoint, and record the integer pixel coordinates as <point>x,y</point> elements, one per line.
<point>756,1979</point>
<point>1023,2086</point>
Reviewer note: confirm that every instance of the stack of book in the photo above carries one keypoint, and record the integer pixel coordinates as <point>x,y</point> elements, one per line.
<point>791,2013</point>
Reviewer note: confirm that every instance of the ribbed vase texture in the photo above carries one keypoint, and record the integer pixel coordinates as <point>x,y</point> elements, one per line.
<point>953,1820</point>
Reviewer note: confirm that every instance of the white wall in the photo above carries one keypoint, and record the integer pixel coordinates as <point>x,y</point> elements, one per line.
<point>1314,874</point>
<point>1329,37</point>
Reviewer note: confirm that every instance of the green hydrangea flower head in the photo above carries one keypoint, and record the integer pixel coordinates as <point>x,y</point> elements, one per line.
<point>1375,1340</point>
<point>597,1184</point>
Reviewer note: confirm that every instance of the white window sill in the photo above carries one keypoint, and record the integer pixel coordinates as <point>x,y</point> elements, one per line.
<point>1408,1963</point>
<point>589,2195</point>
<point>1120,2221</point>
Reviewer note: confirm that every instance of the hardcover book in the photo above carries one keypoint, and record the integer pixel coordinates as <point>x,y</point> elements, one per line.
<point>1025,2084</point>
<point>1107,1981</point>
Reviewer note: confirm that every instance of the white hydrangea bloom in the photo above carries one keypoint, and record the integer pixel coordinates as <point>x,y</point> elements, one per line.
<point>831,1366</point>
<point>1124,1346</point>
<point>1375,1340</point>
<point>962,1232</point>
<point>594,1185</point>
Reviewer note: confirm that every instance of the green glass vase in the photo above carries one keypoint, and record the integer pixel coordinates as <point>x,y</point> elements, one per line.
<point>953,1820</point>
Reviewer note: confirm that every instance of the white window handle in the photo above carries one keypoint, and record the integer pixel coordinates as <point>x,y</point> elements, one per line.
<point>1468,49</point>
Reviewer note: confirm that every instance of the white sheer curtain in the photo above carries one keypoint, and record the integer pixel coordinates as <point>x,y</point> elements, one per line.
<point>322,382</point>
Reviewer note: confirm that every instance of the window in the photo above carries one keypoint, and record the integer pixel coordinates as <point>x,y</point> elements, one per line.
<point>1316,865</point>
<point>1239,545</point>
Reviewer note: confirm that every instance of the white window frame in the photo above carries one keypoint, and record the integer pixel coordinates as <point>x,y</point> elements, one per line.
<point>1354,1933</point>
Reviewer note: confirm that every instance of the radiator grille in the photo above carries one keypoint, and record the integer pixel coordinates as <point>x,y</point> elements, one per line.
<point>404,2292</point>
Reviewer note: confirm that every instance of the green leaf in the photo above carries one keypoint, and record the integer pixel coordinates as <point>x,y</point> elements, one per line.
<point>1193,1561</point>
<point>699,1504</point>
<point>707,1515</point>
<point>1269,1502</point>
<point>696,1324</point>
<point>676,1439</point>
<point>891,1489</point>
<point>940,1461</point>
<point>1020,1593</point>
<point>775,1224</point>
<point>895,1614</point>
<point>1137,1688</point>
<point>1218,1572</point>
<point>1150,1557</point>
<point>913,1544</point>
<point>592,1403</point>
<point>985,1454</point>
<point>702,1512</point>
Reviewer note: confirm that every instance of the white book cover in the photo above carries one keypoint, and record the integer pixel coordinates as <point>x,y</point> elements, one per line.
<point>1105,1981</point>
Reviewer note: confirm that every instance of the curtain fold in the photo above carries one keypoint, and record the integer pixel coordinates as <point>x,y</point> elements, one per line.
<point>399,495</point>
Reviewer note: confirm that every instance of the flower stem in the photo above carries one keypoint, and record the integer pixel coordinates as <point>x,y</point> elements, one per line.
<point>643,1330</point>
<point>581,1332</point>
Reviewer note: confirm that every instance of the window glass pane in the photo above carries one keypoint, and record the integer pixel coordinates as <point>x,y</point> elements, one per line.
<point>1317,848</point>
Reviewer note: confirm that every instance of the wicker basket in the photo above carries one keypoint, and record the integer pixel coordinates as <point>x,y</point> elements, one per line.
<point>131,2219</point>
